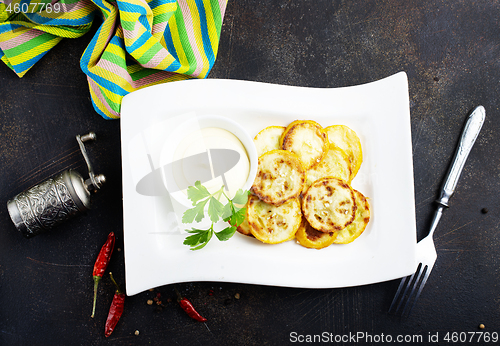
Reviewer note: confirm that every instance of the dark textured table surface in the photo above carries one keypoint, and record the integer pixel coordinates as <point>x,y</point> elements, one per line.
<point>450,51</point>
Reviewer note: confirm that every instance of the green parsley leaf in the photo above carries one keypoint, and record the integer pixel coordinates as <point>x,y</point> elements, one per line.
<point>214,209</point>
<point>227,211</point>
<point>238,217</point>
<point>241,197</point>
<point>204,239</point>
<point>196,238</point>
<point>197,192</point>
<point>194,230</point>
<point>200,196</point>
<point>199,239</point>
<point>226,233</point>
<point>195,214</point>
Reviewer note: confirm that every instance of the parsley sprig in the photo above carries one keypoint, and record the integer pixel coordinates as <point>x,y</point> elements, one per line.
<point>229,212</point>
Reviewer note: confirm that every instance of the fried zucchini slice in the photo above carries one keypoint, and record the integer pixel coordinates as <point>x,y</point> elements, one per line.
<point>292,124</point>
<point>271,224</point>
<point>244,228</point>
<point>307,139</point>
<point>347,139</point>
<point>268,139</point>
<point>329,205</point>
<point>335,164</point>
<point>358,226</point>
<point>313,239</point>
<point>280,177</point>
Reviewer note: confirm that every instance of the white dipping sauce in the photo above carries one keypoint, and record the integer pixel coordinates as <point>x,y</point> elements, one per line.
<point>214,138</point>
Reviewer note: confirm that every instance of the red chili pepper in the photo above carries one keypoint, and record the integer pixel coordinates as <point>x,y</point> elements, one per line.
<point>189,308</point>
<point>102,263</point>
<point>115,310</point>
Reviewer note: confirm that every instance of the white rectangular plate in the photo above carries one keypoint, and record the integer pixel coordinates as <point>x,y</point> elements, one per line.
<point>378,112</point>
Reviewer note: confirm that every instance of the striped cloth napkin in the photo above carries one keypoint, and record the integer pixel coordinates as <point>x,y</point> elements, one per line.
<point>139,43</point>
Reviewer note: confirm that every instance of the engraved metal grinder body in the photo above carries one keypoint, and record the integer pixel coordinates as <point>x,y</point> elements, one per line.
<point>56,199</point>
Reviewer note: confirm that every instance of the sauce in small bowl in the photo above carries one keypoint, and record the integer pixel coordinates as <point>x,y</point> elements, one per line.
<point>212,149</point>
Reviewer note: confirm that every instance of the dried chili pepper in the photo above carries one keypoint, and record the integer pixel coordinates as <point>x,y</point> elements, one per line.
<point>189,308</point>
<point>115,310</point>
<point>102,263</point>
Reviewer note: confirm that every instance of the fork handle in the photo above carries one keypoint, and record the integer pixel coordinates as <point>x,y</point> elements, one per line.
<point>469,134</point>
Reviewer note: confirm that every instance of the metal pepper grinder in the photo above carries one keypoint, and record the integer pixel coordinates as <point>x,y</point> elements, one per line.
<point>56,199</point>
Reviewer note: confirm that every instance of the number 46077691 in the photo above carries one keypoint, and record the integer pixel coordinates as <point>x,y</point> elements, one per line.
<point>33,7</point>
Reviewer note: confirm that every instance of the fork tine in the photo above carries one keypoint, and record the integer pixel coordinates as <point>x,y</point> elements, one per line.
<point>398,297</point>
<point>406,283</point>
<point>422,284</point>
<point>398,292</point>
<point>417,287</point>
<point>411,284</point>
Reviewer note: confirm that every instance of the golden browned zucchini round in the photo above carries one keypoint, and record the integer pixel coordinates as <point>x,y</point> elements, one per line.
<point>290,126</point>
<point>313,239</point>
<point>268,139</point>
<point>335,164</point>
<point>280,177</point>
<point>271,224</point>
<point>307,139</point>
<point>329,205</point>
<point>244,228</point>
<point>347,139</point>
<point>358,226</point>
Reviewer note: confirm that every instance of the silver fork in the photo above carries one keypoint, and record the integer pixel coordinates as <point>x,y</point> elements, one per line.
<point>411,286</point>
